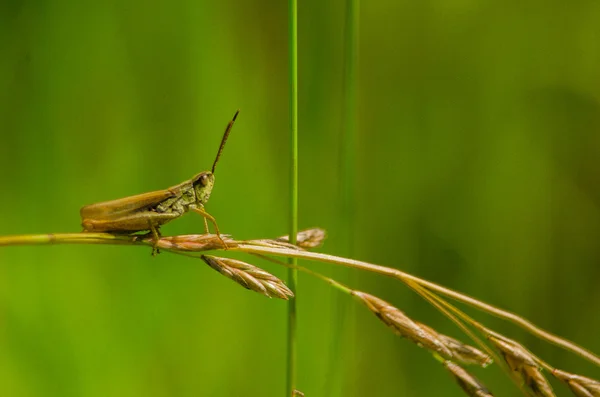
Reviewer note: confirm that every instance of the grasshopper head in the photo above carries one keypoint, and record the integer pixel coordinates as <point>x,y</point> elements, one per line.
<point>204,181</point>
<point>203,184</point>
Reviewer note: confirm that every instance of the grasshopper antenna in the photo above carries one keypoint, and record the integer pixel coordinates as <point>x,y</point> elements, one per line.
<point>225,136</point>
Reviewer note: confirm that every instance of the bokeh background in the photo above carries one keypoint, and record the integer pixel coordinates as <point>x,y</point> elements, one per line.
<point>477,166</point>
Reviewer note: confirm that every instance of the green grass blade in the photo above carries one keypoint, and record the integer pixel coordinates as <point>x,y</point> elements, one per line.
<point>293,273</point>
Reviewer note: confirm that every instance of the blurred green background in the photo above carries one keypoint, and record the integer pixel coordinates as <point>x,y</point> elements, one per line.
<point>477,167</point>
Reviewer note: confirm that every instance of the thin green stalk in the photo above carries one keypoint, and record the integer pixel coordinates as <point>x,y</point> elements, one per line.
<point>292,272</point>
<point>349,133</point>
<point>345,312</point>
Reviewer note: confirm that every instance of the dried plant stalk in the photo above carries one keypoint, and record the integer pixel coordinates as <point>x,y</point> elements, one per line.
<point>581,386</point>
<point>192,242</point>
<point>308,238</point>
<point>470,384</point>
<point>268,243</point>
<point>249,276</point>
<point>523,364</point>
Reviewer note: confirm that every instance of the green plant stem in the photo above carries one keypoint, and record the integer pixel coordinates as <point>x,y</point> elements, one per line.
<point>293,230</point>
<point>342,349</point>
<point>349,133</point>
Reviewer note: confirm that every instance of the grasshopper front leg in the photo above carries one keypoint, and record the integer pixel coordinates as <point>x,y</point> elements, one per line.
<point>200,210</point>
<point>156,236</point>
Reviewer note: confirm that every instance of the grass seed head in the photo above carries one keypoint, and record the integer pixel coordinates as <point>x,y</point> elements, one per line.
<point>470,384</point>
<point>462,353</point>
<point>308,238</point>
<point>524,364</point>
<point>402,325</point>
<point>249,276</point>
<point>581,386</point>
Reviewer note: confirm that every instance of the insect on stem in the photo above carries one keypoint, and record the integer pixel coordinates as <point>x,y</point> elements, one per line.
<point>225,136</point>
<point>149,211</point>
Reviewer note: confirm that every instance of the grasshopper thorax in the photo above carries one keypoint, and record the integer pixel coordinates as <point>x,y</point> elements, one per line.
<point>203,184</point>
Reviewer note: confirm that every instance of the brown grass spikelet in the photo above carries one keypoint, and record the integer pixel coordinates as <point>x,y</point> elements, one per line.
<point>193,242</point>
<point>581,386</point>
<point>249,277</point>
<point>470,384</point>
<point>461,352</point>
<point>402,325</point>
<point>307,238</point>
<point>536,382</point>
<point>523,363</point>
<point>273,244</point>
<point>297,393</point>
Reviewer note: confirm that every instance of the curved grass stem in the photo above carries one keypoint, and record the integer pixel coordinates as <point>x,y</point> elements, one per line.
<point>405,277</point>
<point>188,245</point>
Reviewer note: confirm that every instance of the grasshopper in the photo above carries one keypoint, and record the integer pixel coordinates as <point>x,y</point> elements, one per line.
<point>149,211</point>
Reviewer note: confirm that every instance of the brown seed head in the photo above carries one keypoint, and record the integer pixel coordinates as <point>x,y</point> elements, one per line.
<point>402,325</point>
<point>249,276</point>
<point>524,364</point>
<point>462,353</point>
<point>537,382</point>
<point>308,238</point>
<point>580,385</point>
<point>470,384</point>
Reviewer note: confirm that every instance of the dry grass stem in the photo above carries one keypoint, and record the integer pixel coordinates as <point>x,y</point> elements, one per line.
<point>198,243</point>
<point>524,365</point>
<point>470,384</point>
<point>406,277</point>
<point>249,276</point>
<point>268,243</point>
<point>192,242</point>
<point>525,368</point>
<point>581,386</point>
<point>308,238</point>
<point>463,353</point>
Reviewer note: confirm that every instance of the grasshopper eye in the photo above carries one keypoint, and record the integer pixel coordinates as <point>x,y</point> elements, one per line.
<point>203,180</point>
